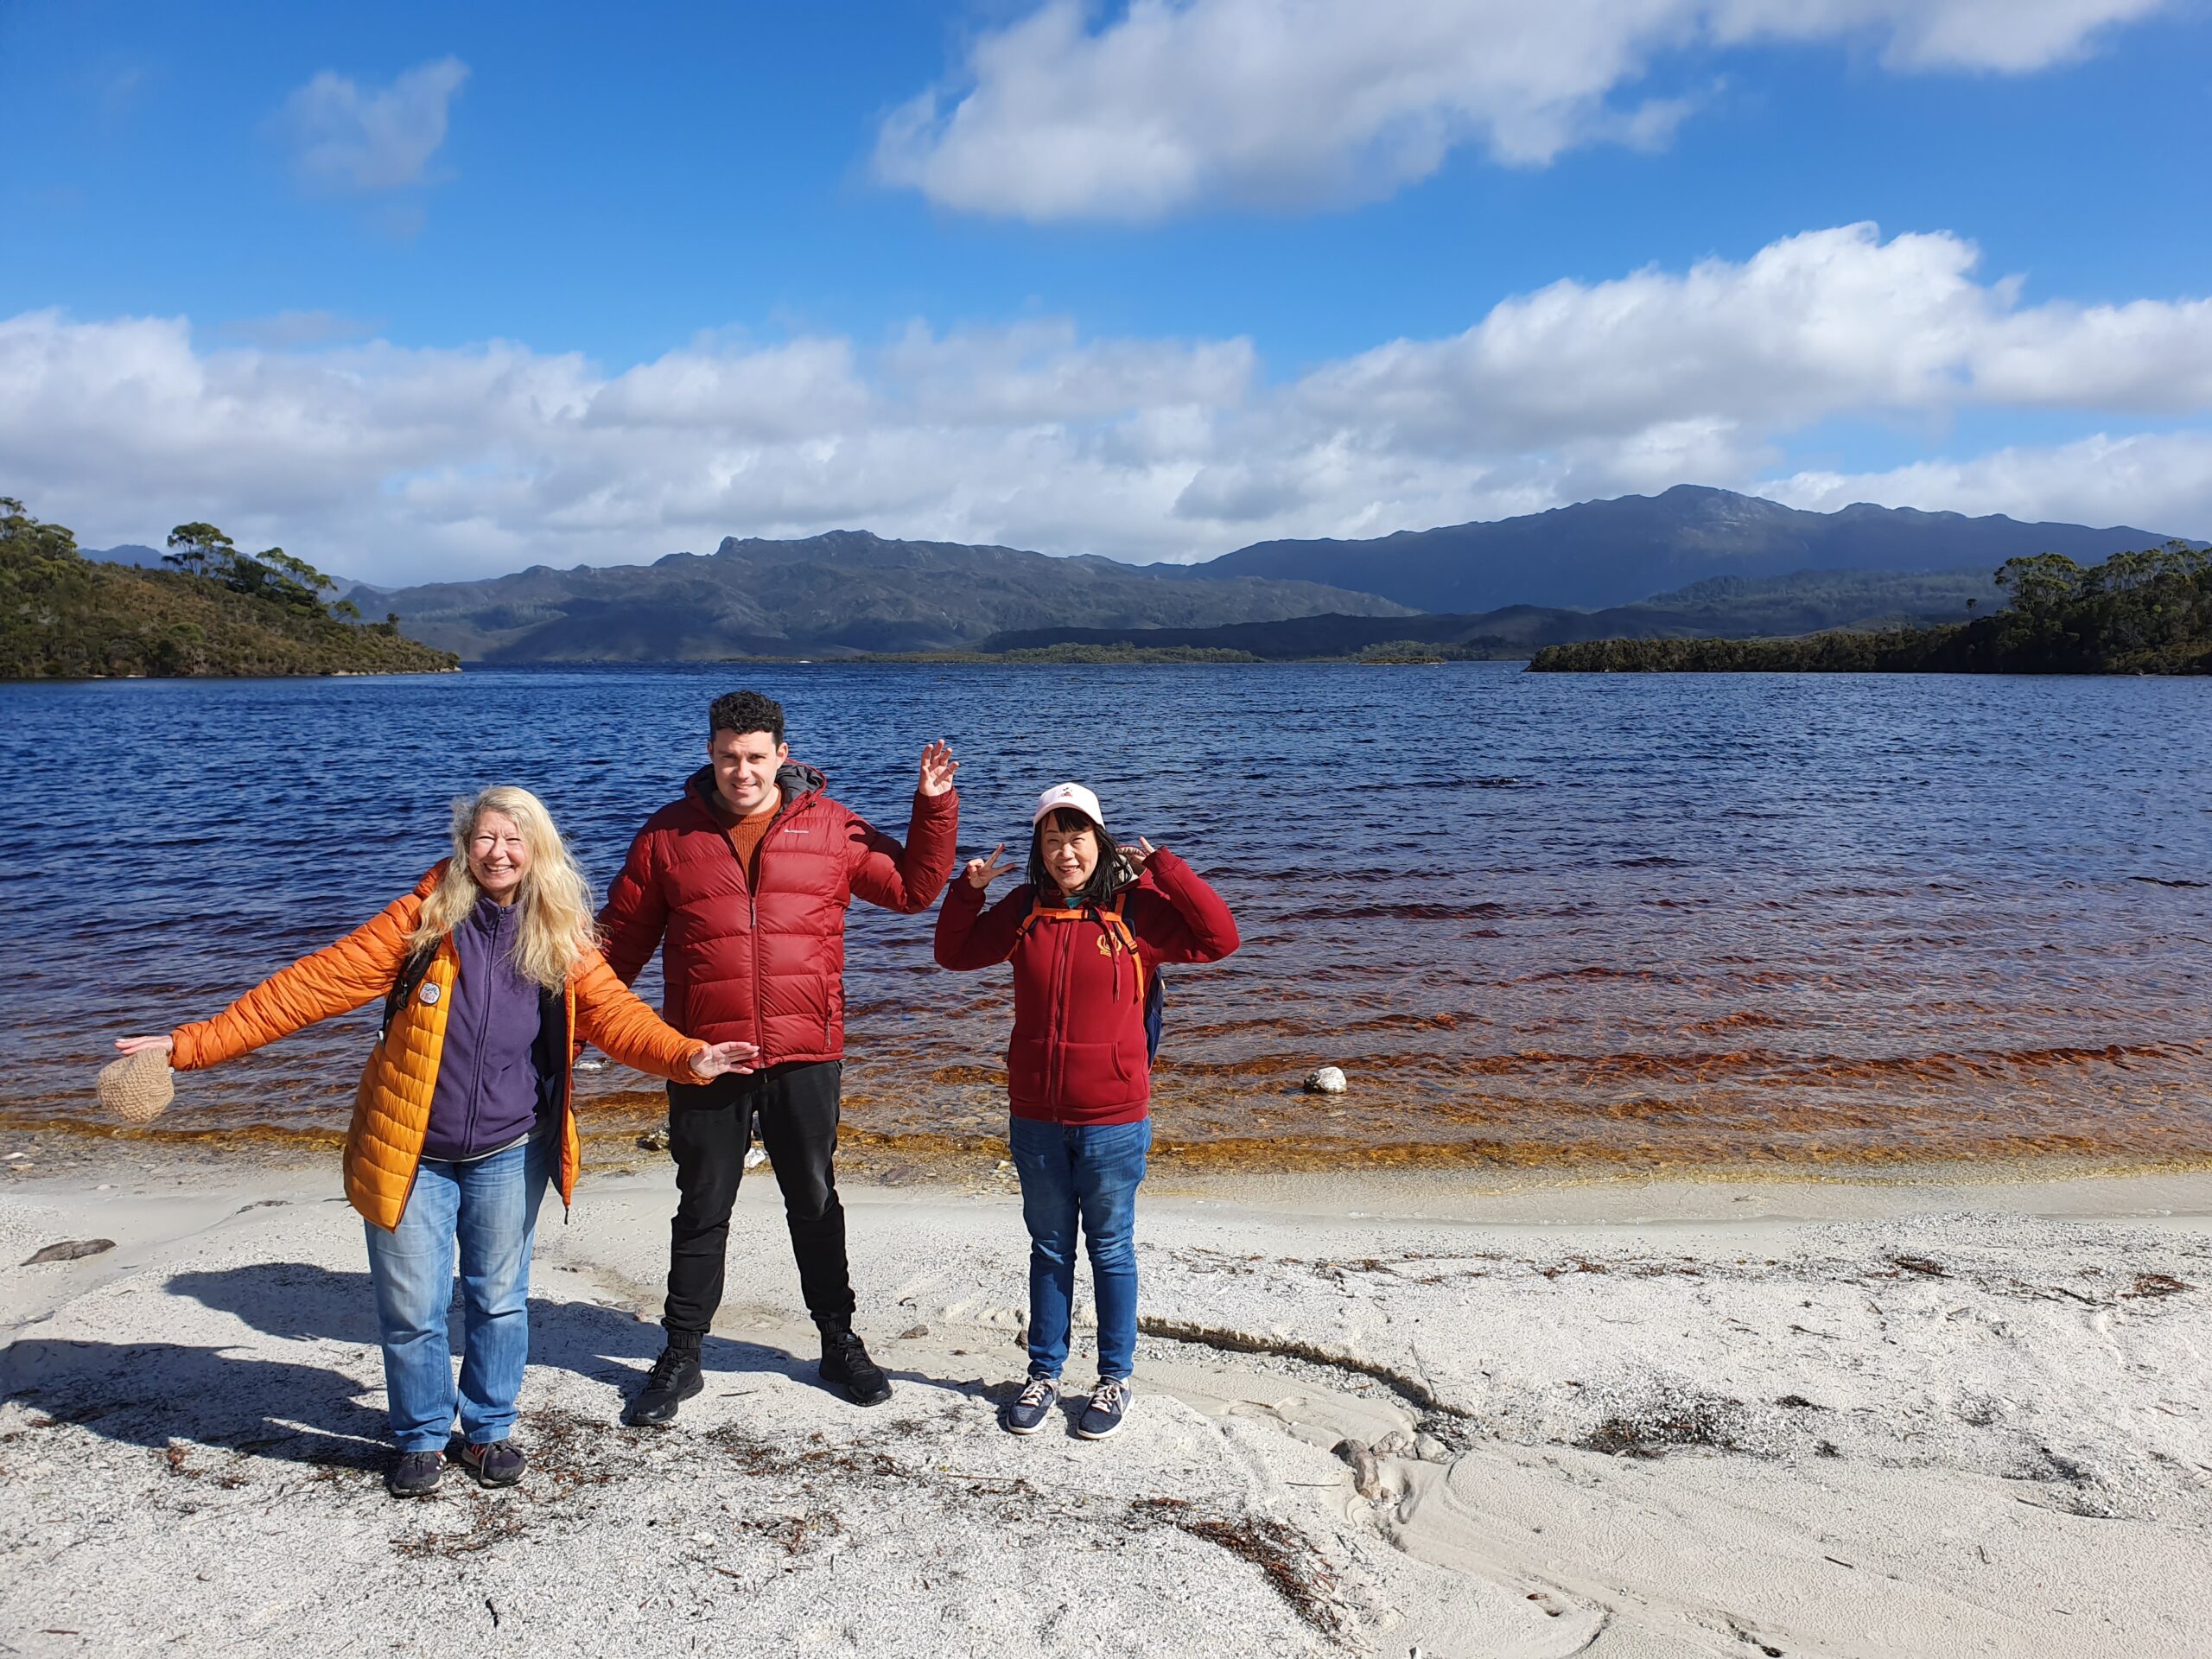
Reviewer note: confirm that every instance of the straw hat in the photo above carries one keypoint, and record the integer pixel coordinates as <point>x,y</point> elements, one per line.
<point>137,1088</point>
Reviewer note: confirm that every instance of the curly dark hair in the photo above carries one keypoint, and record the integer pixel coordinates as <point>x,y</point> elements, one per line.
<point>745,711</point>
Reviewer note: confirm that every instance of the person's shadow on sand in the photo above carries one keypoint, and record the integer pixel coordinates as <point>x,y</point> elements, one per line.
<point>299,1301</point>
<point>152,1394</point>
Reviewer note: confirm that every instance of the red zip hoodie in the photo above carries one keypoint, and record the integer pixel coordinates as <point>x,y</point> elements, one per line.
<point>1077,1051</point>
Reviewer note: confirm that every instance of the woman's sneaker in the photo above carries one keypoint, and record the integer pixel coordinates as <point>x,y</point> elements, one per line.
<point>1109,1403</point>
<point>1026,1413</point>
<point>495,1463</point>
<point>415,1474</point>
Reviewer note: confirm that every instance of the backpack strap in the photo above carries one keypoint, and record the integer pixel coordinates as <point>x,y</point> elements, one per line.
<point>411,974</point>
<point>1108,915</point>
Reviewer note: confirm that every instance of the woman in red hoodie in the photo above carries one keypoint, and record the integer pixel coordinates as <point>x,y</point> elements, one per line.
<point>1086,934</point>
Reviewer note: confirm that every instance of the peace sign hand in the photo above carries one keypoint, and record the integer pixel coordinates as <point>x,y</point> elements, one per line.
<point>983,872</point>
<point>938,767</point>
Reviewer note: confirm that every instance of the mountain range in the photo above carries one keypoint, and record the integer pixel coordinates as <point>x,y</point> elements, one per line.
<point>1508,585</point>
<point>842,594</point>
<point>1729,607</point>
<point>1616,552</point>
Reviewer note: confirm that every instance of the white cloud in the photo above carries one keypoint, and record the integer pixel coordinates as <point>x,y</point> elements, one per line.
<point>351,140</point>
<point>1173,103</point>
<point>396,464</point>
<point>2157,481</point>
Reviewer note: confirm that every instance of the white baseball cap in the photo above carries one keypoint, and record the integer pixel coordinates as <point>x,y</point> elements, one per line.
<point>1074,795</point>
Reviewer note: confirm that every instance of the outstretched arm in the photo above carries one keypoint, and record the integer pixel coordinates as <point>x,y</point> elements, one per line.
<point>337,979</point>
<point>609,1013</point>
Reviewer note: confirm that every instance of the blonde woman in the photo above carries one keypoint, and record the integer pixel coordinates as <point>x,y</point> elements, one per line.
<point>490,979</point>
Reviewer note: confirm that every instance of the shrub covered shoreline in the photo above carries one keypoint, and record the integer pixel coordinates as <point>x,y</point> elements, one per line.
<point>2146,613</point>
<point>219,613</point>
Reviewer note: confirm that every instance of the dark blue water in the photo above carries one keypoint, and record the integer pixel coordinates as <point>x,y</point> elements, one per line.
<point>1625,919</point>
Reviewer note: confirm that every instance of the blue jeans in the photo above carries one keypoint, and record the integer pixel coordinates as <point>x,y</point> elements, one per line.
<point>490,1204</point>
<point>1071,1173</point>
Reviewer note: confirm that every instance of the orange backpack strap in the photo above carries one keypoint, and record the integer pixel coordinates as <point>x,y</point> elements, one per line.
<point>1109,917</point>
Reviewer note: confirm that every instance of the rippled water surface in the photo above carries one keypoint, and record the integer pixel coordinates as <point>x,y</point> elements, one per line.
<point>1627,919</point>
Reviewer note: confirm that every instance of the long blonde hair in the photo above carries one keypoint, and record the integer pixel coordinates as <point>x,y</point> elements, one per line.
<point>554,905</point>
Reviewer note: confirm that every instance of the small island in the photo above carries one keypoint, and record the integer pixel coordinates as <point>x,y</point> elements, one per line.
<point>2146,613</point>
<point>215,612</point>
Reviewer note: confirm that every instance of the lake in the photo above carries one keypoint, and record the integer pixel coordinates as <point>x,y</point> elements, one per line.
<point>1621,921</point>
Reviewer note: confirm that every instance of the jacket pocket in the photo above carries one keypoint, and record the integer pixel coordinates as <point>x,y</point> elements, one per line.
<point>1094,1074</point>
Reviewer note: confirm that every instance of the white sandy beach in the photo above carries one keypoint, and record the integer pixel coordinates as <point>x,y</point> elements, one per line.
<point>1632,1421</point>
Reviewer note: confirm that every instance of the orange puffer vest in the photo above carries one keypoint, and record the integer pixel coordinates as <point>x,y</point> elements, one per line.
<point>392,1109</point>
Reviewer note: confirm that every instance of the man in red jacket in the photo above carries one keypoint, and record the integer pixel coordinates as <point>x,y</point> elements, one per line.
<point>742,885</point>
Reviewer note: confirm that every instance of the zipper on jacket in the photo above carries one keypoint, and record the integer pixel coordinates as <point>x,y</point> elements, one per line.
<point>568,1095</point>
<point>483,1030</point>
<point>1055,1068</point>
<point>752,915</point>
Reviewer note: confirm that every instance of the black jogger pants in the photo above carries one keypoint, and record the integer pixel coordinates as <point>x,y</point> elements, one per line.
<point>710,1126</point>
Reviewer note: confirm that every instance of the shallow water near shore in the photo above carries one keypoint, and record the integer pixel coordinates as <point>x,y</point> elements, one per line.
<point>1606,923</point>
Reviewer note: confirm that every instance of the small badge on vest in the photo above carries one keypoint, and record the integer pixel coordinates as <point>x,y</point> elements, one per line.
<point>429,992</point>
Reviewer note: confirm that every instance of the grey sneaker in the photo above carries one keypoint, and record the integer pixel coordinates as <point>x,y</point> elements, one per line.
<point>1026,1413</point>
<point>495,1463</point>
<point>415,1474</point>
<point>1109,1403</point>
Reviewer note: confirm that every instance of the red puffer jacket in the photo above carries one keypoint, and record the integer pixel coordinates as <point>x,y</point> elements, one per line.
<point>1078,1053</point>
<point>767,967</point>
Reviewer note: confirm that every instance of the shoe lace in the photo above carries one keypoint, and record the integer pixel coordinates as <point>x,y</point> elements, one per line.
<point>1038,1391</point>
<point>1110,1395</point>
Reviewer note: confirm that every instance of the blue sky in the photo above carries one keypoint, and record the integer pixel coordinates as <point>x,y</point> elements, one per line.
<point>416,289</point>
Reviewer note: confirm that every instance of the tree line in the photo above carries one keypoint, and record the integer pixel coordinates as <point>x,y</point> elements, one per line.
<point>2141,612</point>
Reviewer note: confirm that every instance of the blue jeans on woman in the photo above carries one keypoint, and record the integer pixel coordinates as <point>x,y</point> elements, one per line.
<point>1074,1173</point>
<point>489,1206</point>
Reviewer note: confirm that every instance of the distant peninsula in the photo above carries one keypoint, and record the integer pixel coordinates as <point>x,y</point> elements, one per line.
<point>2144,613</point>
<point>214,612</point>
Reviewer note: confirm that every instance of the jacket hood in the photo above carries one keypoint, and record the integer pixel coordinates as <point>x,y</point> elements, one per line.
<point>796,782</point>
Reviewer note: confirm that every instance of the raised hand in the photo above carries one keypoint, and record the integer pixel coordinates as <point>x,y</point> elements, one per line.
<point>938,767</point>
<point>981,872</point>
<point>718,1058</point>
<point>1138,855</point>
<point>132,1044</point>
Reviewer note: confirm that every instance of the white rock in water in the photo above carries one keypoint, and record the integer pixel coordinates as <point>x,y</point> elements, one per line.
<point>1327,1080</point>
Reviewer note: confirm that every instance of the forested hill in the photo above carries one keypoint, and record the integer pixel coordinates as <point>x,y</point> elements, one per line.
<point>219,611</point>
<point>2141,612</point>
<point>1596,554</point>
<point>841,594</point>
<point>1726,606</point>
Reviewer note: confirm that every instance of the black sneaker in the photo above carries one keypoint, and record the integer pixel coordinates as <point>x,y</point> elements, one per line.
<point>845,1361</point>
<point>1026,1413</point>
<point>415,1474</point>
<point>1109,1403</point>
<point>674,1379</point>
<point>495,1463</point>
